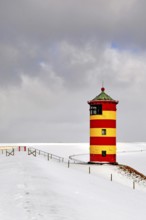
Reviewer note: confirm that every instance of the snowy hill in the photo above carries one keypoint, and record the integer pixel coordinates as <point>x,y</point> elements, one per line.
<point>33,188</point>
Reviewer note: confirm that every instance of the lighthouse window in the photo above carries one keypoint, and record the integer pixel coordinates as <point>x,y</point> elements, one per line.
<point>104,153</point>
<point>96,110</point>
<point>103,131</point>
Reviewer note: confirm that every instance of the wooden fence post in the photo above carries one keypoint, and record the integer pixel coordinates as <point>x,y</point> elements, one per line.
<point>133,184</point>
<point>8,153</point>
<point>33,152</point>
<point>68,163</point>
<point>111,177</point>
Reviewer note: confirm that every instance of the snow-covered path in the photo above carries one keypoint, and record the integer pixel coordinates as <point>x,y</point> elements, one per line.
<point>34,189</point>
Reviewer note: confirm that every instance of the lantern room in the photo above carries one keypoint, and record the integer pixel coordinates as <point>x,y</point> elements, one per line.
<point>103,129</point>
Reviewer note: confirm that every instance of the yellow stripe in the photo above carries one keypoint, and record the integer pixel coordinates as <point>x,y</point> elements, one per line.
<point>97,132</point>
<point>98,149</point>
<point>105,115</point>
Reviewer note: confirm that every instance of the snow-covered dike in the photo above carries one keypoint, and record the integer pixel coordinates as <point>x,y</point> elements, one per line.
<point>33,188</point>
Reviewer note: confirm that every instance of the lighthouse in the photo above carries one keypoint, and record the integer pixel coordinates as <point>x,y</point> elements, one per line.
<point>103,129</point>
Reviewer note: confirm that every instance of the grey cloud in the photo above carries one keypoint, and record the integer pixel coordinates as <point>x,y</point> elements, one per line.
<point>54,56</point>
<point>49,20</point>
<point>29,29</point>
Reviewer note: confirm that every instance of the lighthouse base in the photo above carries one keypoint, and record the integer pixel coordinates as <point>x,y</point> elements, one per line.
<point>99,158</point>
<point>102,163</point>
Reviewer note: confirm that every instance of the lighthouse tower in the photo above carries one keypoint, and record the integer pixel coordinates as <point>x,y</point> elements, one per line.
<point>103,129</point>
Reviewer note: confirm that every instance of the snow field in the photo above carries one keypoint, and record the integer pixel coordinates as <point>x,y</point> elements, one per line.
<point>33,188</point>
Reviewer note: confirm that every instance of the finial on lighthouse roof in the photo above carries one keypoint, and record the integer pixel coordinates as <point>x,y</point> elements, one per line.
<point>102,89</point>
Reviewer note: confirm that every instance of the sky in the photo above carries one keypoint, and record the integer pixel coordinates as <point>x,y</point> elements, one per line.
<point>54,56</point>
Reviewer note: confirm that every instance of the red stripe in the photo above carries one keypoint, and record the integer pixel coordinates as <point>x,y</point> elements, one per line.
<point>111,158</point>
<point>106,106</point>
<point>102,140</point>
<point>102,123</point>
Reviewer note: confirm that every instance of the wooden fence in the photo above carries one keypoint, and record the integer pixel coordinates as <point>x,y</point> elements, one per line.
<point>33,151</point>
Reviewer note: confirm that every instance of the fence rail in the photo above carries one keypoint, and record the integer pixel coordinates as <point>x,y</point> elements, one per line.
<point>72,157</point>
<point>130,151</point>
<point>34,151</point>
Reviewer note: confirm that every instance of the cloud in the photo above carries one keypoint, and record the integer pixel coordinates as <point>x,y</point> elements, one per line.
<point>48,31</point>
<point>54,56</point>
<point>52,105</point>
<point>45,21</point>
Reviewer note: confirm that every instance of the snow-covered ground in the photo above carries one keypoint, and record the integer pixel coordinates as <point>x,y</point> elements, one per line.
<point>33,188</point>
<point>133,154</point>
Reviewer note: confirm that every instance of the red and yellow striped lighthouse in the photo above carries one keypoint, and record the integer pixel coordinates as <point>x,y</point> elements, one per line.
<point>103,129</point>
